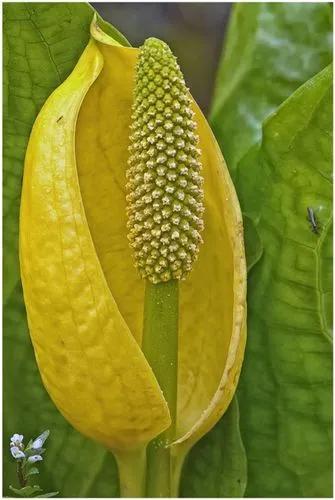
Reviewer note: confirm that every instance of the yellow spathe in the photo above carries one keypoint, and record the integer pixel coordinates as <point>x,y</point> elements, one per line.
<point>83,295</point>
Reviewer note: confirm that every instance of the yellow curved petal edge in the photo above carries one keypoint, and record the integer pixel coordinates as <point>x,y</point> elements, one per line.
<point>217,335</point>
<point>99,35</point>
<point>90,363</point>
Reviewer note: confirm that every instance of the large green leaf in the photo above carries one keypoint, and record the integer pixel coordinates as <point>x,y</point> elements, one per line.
<point>216,467</point>
<point>42,43</point>
<point>285,392</point>
<point>270,50</point>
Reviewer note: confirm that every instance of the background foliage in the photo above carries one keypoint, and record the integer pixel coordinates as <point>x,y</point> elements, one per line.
<point>194,31</point>
<point>281,164</point>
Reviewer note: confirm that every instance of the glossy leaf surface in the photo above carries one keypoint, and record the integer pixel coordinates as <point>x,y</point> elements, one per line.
<point>279,46</point>
<point>217,466</point>
<point>285,392</point>
<point>270,49</point>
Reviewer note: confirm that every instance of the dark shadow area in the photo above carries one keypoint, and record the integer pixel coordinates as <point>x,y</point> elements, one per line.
<point>194,31</point>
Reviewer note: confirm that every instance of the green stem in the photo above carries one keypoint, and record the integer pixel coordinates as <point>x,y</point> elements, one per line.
<point>132,469</point>
<point>160,346</point>
<point>20,475</point>
<point>178,455</point>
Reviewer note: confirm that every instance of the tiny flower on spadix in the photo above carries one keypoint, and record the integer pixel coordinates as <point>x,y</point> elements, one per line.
<point>17,453</point>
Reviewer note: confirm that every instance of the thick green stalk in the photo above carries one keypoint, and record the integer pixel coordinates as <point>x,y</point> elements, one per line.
<point>132,470</point>
<point>178,455</point>
<point>164,212</point>
<point>160,346</point>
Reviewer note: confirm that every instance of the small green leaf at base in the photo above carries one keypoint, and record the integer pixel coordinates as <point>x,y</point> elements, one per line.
<point>48,495</point>
<point>27,491</point>
<point>33,470</point>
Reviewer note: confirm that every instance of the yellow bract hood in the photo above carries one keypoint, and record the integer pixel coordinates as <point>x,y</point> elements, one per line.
<point>83,296</point>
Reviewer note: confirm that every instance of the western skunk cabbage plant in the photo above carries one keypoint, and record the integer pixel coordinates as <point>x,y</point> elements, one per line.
<point>132,261</point>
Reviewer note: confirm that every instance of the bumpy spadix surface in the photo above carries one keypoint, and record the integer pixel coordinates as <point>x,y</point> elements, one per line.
<point>164,185</point>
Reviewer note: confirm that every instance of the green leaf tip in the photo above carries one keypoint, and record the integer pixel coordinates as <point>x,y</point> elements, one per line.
<point>164,183</point>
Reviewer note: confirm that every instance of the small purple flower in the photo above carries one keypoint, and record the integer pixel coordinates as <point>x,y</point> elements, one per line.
<point>16,440</point>
<point>16,452</point>
<point>34,458</point>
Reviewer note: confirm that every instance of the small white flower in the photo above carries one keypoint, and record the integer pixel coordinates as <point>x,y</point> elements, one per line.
<point>16,452</point>
<point>35,458</point>
<point>16,440</point>
<point>39,441</point>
